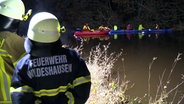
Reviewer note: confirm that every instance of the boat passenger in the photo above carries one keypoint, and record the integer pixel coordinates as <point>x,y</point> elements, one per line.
<point>115,27</point>
<point>86,27</point>
<point>157,26</point>
<point>107,28</point>
<point>140,27</point>
<point>101,27</point>
<point>140,34</point>
<point>128,27</point>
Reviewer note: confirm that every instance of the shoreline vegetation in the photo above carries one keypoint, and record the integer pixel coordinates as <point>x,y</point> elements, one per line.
<point>167,14</point>
<point>107,89</point>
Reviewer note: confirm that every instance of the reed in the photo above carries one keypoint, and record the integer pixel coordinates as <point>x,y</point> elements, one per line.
<point>163,92</point>
<point>106,89</point>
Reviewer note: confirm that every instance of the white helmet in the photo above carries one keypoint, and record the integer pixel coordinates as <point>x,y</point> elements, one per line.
<point>44,27</point>
<point>12,8</point>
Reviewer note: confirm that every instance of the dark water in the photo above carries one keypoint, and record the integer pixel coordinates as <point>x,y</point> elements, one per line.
<point>138,54</point>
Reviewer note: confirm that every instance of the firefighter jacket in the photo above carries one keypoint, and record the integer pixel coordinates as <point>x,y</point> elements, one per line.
<point>11,50</point>
<point>61,77</point>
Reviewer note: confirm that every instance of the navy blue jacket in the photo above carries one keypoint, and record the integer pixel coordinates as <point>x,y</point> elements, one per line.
<point>61,77</point>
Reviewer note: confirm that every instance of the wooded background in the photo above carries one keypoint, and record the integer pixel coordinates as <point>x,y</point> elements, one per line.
<point>75,13</point>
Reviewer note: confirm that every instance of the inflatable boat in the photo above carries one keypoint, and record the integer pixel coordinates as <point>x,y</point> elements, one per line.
<point>90,33</point>
<point>146,31</point>
<point>86,35</point>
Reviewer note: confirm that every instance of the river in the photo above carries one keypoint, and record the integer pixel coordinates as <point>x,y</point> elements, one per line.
<point>138,53</point>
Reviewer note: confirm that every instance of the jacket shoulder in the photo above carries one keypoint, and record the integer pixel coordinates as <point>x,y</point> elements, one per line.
<point>23,61</point>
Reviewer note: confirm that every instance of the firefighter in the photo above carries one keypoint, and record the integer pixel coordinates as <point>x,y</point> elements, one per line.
<point>49,73</point>
<point>11,45</point>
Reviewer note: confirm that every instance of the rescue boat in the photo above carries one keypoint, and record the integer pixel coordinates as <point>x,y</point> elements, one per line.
<point>86,34</point>
<point>145,31</point>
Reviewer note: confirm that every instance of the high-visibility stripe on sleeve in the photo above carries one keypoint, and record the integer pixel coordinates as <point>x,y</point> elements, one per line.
<point>15,63</point>
<point>5,102</point>
<point>70,97</point>
<point>81,80</point>
<point>51,92</point>
<point>4,82</point>
<point>1,42</point>
<point>26,89</point>
<point>5,85</point>
<point>4,53</point>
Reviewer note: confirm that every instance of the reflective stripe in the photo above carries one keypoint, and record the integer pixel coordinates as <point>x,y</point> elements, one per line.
<point>15,63</point>
<point>6,7</point>
<point>81,80</point>
<point>6,87</point>
<point>51,92</point>
<point>1,42</point>
<point>4,82</point>
<point>4,53</point>
<point>70,97</point>
<point>44,31</point>
<point>21,89</point>
<point>5,102</point>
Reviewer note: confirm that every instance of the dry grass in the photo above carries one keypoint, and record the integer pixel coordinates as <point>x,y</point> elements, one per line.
<point>108,90</point>
<point>105,89</point>
<point>163,92</point>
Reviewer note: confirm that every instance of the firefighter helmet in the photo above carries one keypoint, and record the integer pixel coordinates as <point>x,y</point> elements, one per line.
<point>44,27</point>
<point>14,9</point>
